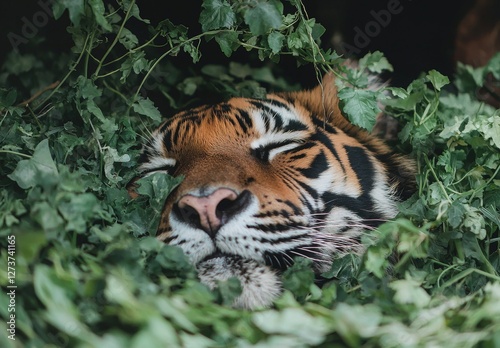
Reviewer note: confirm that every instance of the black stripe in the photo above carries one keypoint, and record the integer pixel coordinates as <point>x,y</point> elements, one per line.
<point>297,157</point>
<point>323,124</point>
<point>301,147</point>
<point>322,138</point>
<point>167,139</point>
<point>269,113</point>
<point>244,120</point>
<point>273,213</point>
<point>278,104</point>
<point>318,166</point>
<point>295,209</point>
<point>313,193</point>
<point>362,166</point>
<point>295,126</point>
<point>277,227</point>
<point>362,206</point>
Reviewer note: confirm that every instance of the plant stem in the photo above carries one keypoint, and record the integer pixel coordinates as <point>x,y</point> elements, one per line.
<point>117,37</point>
<point>437,179</point>
<point>15,153</point>
<point>172,49</point>
<point>67,75</point>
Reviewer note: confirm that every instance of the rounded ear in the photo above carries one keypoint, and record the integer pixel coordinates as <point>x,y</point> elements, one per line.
<point>321,101</point>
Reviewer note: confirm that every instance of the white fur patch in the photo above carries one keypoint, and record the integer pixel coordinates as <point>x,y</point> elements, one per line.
<point>260,285</point>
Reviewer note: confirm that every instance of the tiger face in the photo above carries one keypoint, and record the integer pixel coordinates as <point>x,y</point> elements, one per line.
<point>268,180</point>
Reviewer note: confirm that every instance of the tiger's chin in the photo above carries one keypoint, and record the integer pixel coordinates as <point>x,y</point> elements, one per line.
<point>260,284</point>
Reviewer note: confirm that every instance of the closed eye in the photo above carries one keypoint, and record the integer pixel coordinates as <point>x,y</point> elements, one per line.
<point>159,164</point>
<point>266,153</point>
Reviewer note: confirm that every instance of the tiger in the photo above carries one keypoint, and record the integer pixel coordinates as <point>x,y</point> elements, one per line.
<point>269,180</point>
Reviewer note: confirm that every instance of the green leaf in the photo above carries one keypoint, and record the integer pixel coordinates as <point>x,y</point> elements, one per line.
<point>469,79</point>
<point>298,278</point>
<point>408,291</point>
<point>276,41</point>
<point>216,14</point>
<point>146,107</point>
<point>263,17</point>
<point>360,106</point>
<point>78,209</point>
<point>455,213</point>
<point>354,321</point>
<point>95,110</point>
<point>437,79</point>
<point>54,291</point>
<point>87,89</point>
<point>40,169</point>
<point>134,11</point>
<point>76,9</point>
<point>375,62</point>
<point>98,10</point>
<point>491,130</point>
<point>493,66</point>
<point>228,42</point>
<point>7,97</point>
<point>295,322</point>
<point>111,157</point>
<point>157,186</point>
<point>128,39</point>
<point>46,216</point>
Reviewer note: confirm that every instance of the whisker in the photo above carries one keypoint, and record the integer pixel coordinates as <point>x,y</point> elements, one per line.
<point>308,257</point>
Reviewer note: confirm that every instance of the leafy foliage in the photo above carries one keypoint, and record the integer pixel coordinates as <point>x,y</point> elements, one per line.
<point>90,273</point>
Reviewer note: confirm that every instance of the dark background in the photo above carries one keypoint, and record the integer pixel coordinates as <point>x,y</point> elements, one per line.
<point>419,38</point>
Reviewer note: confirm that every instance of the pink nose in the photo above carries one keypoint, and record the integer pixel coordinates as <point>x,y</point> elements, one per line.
<point>210,212</point>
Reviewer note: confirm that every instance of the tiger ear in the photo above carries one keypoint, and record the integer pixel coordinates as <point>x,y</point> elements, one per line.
<point>322,100</point>
<point>325,94</point>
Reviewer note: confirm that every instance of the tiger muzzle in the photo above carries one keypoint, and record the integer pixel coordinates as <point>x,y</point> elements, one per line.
<point>209,213</point>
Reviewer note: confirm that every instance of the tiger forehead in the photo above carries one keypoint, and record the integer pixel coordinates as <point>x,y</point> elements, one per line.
<point>242,114</point>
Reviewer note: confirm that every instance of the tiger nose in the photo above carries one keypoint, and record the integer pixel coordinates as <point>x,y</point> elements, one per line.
<point>211,212</point>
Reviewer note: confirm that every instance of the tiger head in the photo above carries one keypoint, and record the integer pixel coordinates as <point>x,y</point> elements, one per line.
<point>271,179</point>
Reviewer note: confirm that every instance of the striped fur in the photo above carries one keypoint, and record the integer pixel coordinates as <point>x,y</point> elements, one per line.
<point>313,182</point>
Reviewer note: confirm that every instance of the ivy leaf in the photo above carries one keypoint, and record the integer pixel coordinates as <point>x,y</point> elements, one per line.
<point>375,62</point>
<point>491,130</point>
<point>227,42</point>
<point>128,39</point>
<point>360,106</point>
<point>408,291</point>
<point>7,97</point>
<point>275,41</point>
<point>87,89</point>
<point>295,322</point>
<point>493,66</point>
<point>95,110</point>
<point>134,11</point>
<point>455,214</point>
<point>76,9</point>
<point>77,209</point>
<point>38,170</point>
<point>437,79</point>
<point>98,10</point>
<point>263,17</point>
<point>468,79</point>
<point>111,156</point>
<point>146,107</point>
<point>216,14</point>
